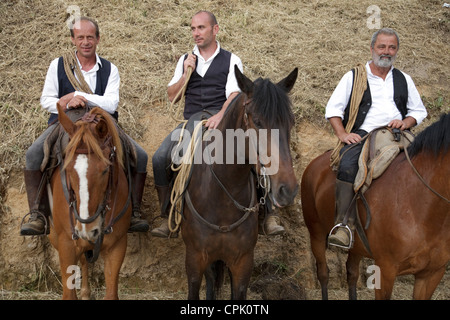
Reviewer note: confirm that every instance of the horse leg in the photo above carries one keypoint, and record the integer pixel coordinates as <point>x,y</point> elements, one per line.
<point>195,268</point>
<point>68,265</point>
<point>387,279</point>
<point>318,248</point>
<point>426,282</point>
<point>352,267</point>
<point>240,276</point>
<point>113,258</point>
<point>85,288</point>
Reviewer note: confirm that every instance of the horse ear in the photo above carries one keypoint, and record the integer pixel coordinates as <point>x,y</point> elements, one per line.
<point>101,128</point>
<point>65,121</point>
<point>288,83</point>
<point>245,84</point>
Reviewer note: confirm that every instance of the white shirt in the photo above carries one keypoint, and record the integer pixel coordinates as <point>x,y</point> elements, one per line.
<point>203,65</point>
<point>109,101</point>
<point>383,108</point>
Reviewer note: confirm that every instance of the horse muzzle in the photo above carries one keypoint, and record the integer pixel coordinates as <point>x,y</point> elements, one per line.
<point>283,195</point>
<point>89,234</point>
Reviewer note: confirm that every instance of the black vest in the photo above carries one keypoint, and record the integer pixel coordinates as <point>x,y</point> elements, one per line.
<point>66,87</point>
<point>208,92</point>
<point>400,99</point>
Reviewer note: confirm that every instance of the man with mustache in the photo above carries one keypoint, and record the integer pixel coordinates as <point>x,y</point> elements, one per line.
<point>391,99</point>
<point>99,86</point>
<point>211,88</point>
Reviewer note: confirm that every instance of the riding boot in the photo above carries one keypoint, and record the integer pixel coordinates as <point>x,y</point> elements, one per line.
<point>163,230</point>
<point>272,225</point>
<point>137,224</point>
<point>269,221</point>
<point>344,226</point>
<point>37,198</point>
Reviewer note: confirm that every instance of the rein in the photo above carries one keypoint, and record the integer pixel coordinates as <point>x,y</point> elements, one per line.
<point>422,179</point>
<point>263,182</point>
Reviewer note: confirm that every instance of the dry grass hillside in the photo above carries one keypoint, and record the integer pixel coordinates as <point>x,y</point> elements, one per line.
<point>323,38</point>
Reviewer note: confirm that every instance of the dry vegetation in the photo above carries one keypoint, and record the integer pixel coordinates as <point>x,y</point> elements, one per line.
<point>324,38</point>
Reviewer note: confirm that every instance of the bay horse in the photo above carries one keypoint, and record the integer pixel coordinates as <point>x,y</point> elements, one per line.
<point>409,232</point>
<point>89,195</point>
<point>220,215</point>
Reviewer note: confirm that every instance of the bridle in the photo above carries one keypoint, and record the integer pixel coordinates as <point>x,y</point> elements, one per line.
<point>105,205</point>
<point>263,181</point>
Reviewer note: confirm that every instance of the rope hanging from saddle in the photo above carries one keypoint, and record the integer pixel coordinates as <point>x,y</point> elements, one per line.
<point>182,180</point>
<point>359,87</point>
<point>184,169</point>
<point>73,72</point>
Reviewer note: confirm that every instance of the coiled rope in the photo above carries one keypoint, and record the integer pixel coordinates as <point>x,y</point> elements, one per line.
<point>181,181</point>
<point>73,72</point>
<point>184,168</point>
<point>359,86</point>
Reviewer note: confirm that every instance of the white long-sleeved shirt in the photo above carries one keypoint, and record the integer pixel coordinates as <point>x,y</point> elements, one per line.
<point>202,68</point>
<point>383,108</point>
<point>109,101</point>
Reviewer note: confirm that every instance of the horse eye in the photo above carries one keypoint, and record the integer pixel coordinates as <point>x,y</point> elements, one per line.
<point>105,171</point>
<point>257,122</point>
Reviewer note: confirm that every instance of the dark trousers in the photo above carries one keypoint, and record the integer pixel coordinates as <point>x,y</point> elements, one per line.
<point>162,159</point>
<point>348,166</point>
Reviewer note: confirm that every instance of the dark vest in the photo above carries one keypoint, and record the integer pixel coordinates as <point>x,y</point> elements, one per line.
<point>66,87</point>
<point>400,99</point>
<point>208,92</point>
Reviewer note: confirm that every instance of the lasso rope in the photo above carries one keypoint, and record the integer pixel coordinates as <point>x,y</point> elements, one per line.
<point>184,170</point>
<point>186,162</point>
<point>359,86</point>
<point>75,77</point>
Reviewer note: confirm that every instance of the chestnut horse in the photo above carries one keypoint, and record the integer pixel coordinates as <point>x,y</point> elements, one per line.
<point>220,225</point>
<point>409,232</point>
<point>89,196</point>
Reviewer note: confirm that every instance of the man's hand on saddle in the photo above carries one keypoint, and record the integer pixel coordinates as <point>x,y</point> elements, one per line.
<point>349,138</point>
<point>77,102</point>
<point>214,121</point>
<point>397,124</point>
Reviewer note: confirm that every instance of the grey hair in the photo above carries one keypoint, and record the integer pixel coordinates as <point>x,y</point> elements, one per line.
<point>387,31</point>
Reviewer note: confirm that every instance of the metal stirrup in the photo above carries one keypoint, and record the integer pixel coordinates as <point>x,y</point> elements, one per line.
<point>340,225</point>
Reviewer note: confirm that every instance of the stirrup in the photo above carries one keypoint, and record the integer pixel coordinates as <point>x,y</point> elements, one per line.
<point>46,229</point>
<point>341,225</point>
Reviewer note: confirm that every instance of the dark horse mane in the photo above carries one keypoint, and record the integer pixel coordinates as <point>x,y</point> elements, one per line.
<point>273,103</point>
<point>435,138</point>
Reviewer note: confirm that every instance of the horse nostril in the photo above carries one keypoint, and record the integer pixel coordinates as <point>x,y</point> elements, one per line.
<point>287,194</point>
<point>283,191</point>
<point>95,233</point>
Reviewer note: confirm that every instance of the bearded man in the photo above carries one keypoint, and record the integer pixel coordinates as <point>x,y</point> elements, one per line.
<point>391,99</point>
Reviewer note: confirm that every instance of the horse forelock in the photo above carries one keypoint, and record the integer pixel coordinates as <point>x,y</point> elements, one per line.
<point>85,138</point>
<point>272,104</point>
<point>434,139</point>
